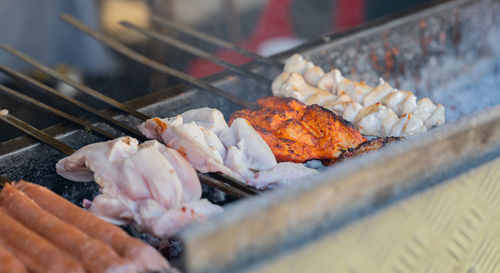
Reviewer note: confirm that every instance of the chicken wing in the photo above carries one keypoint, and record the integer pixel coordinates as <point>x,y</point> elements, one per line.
<point>139,184</point>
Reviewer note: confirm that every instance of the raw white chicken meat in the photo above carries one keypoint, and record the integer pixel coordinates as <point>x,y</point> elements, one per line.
<point>148,185</point>
<point>354,101</point>
<point>202,148</point>
<point>210,145</point>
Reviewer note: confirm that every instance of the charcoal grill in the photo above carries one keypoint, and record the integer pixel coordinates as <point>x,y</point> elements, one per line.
<point>425,51</point>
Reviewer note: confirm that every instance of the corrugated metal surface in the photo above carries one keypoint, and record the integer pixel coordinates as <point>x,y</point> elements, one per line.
<point>452,227</point>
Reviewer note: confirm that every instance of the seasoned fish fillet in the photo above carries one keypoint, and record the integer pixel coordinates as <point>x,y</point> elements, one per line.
<point>298,133</point>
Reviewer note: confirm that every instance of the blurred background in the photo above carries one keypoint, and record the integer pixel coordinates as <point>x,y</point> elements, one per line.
<point>263,26</point>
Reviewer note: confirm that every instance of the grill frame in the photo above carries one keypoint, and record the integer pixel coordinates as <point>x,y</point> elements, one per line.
<point>203,243</point>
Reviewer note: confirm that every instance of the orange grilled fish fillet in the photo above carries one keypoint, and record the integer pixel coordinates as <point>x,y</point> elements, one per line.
<point>298,133</point>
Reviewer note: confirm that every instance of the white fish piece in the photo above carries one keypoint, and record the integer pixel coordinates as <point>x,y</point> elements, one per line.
<point>295,86</point>
<point>357,91</point>
<point>298,64</point>
<point>409,105</point>
<point>278,83</point>
<point>375,120</point>
<point>351,111</point>
<point>437,118</point>
<point>377,93</point>
<point>396,100</point>
<point>284,173</point>
<point>339,104</point>
<point>408,125</point>
<point>313,75</point>
<point>247,150</point>
<point>320,98</point>
<point>330,81</point>
<point>207,118</point>
<point>425,108</point>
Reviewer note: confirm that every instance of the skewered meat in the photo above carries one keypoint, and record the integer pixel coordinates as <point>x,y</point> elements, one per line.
<point>397,113</point>
<point>144,257</point>
<point>298,133</point>
<point>149,184</point>
<point>8,262</point>
<point>35,252</point>
<point>201,147</point>
<point>95,256</point>
<point>369,146</point>
<point>238,151</point>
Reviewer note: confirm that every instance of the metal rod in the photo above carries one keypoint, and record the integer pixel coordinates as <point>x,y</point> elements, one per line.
<point>213,40</point>
<point>119,47</point>
<point>84,123</point>
<point>42,87</point>
<point>197,52</point>
<point>81,87</point>
<point>236,184</point>
<point>62,147</point>
<point>38,134</point>
<point>206,179</point>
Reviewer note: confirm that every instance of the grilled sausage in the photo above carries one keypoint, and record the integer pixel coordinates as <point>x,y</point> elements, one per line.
<point>145,257</point>
<point>8,262</point>
<point>36,253</point>
<point>94,255</point>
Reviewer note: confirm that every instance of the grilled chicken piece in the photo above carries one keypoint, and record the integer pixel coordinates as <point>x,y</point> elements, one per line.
<point>150,185</point>
<point>369,146</point>
<point>298,133</point>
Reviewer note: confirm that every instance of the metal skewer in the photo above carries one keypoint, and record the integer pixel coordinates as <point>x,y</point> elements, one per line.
<point>197,52</point>
<point>85,124</point>
<point>81,87</point>
<point>216,41</point>
<point>38,134</point>
<point>62,147</point>
<point>119,47</point>
<point>39,86</point>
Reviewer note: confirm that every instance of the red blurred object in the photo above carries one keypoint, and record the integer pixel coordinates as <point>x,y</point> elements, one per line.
<point>275,21</point>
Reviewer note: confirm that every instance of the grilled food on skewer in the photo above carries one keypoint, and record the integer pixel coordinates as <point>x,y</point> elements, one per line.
<point>150,185</point>
<point>210,145</point>
<point>298,133</point>
<point>379,111</point>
